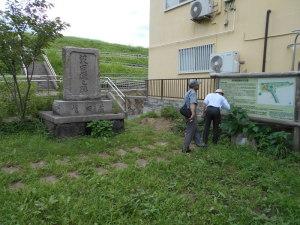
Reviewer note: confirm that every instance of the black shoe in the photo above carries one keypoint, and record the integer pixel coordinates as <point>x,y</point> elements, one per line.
<point>184,150</point>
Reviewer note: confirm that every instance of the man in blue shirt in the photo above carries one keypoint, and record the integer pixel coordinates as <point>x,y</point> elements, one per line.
<point>191,131</point>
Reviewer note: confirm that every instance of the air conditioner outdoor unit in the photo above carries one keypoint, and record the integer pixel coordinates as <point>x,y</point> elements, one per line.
<point>227,62</point>
<point>201,9</point>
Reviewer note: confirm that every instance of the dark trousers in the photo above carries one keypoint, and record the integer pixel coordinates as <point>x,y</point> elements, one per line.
<point>191,133</point>
<point>212,114</point>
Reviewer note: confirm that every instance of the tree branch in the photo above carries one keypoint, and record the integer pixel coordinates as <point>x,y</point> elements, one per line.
<point>29,79</point>
<point>19,95</point>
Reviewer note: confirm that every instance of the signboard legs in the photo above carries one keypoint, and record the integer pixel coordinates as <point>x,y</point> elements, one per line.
<point>297,139</point>
<point>297,117</point>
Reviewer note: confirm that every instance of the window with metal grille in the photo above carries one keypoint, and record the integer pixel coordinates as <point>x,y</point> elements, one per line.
<point>173,3</point>
<point>195,59</point>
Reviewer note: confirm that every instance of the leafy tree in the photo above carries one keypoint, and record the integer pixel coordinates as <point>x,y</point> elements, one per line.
<point>25,31</point>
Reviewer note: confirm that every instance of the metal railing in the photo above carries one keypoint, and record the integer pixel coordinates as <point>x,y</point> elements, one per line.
<point>39,79</point>
<point>162,88</point>
<point>51,70</point>
<point>49,66</point>
<point>176,88</point>
<point>120,76</point>
<point>22,78</point>
<point>131,65</point>
<point>126,83</point>
<point>120,54</point>
<point>120,95</point>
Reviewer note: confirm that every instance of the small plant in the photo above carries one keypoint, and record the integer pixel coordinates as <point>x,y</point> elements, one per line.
<point>101,128</point>
<point>170,112</point>
<point>179,125</point>
<point>150,114</point>
<point>237,121</point>
<point>266,139</point>
<point>280,143</point>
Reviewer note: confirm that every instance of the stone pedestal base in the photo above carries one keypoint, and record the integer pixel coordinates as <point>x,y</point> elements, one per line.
<point>77,108</point>
<point>72,126</point>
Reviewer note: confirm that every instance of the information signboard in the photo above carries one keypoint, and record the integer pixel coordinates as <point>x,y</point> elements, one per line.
<point>272,98</point>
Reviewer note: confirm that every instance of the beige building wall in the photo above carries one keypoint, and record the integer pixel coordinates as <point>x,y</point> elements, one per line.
<point>171,30</point>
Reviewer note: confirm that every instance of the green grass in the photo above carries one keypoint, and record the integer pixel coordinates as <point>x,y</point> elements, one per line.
<point>219,185</point>
<point>55,56</point>
<point>139,61</point>
<point>124,70</point>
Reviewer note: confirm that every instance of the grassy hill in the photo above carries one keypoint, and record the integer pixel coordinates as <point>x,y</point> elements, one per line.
<point>115,59</point>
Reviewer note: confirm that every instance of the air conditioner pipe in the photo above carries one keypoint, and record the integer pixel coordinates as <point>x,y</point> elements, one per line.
<point>266,40</point>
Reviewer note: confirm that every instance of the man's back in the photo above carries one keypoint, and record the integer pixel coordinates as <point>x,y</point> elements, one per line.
<point>216,100</point>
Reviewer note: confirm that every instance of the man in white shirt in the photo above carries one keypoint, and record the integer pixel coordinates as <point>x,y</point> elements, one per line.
<point>213,103</point>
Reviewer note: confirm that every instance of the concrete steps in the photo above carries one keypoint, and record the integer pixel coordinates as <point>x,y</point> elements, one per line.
<point>43,77</point>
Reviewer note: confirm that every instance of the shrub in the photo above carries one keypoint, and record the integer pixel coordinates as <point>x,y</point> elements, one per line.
<point>8,105</point>
<point>36,103</point>
<point>30,126</point>
<point>237,121</point>
<point>276,143</point>
<point>40,103</point>
<point>170,112</point>
<point>101,128</point>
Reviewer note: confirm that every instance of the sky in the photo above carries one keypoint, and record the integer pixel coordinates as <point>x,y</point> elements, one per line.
<point>114,21</point>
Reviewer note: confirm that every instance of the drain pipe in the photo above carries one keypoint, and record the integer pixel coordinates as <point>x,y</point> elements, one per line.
<point>266,40</point>
<point>297,32</point>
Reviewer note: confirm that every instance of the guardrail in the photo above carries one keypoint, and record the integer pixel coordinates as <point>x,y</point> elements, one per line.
<point>23,78</point>
<point>120,76</point>
<point>127,55</point>
<point>46,79</point>
<point>126,84</point>
<point>125,64</point>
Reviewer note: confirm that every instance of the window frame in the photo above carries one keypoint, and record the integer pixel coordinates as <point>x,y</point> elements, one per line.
<point>192,58</point>
<point>176,6</point>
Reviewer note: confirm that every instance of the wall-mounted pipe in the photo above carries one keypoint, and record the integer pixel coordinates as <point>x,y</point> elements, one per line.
<point>294,51</point>
<point>266,40</point>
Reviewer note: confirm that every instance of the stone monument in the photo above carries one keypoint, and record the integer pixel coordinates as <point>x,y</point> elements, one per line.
<point>82,101</point>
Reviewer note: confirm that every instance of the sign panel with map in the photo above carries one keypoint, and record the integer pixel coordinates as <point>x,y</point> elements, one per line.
<point>272,98</point>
